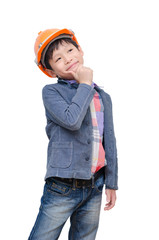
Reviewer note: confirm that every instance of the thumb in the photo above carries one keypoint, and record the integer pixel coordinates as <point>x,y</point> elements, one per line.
<point>73,74</point>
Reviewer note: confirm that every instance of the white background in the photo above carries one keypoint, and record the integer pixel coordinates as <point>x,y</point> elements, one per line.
<point>120,40</point>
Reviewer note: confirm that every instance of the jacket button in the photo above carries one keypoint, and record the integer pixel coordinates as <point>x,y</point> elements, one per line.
<point>87,158</point>
<point>88,141</point>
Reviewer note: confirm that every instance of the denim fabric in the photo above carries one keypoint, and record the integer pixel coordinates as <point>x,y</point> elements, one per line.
<point>59,202</point>
<point>69,129</point>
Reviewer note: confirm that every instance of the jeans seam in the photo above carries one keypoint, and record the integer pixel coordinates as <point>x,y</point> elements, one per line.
<point>74,224</point>
<point>36,223</point>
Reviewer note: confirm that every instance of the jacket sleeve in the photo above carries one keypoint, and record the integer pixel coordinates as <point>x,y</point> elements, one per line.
<point>71,115</point>
<point>111,175</point>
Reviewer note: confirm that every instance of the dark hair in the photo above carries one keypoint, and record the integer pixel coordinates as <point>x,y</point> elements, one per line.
<point>55,45</point>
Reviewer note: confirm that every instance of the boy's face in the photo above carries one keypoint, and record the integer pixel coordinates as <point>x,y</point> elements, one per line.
<point>65,59</point>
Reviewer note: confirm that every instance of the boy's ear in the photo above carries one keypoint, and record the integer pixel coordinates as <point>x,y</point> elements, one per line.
<point>51,72</point>
<point>80,49</point>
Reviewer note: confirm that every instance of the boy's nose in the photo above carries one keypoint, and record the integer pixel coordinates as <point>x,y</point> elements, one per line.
<point>68,60</point>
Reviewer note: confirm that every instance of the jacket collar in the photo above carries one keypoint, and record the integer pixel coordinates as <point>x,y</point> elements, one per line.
<point>63,81</point>
<point>74,84</point>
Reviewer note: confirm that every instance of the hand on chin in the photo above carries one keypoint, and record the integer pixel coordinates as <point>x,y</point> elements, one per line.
<point>73,73</point>
<point>70,75</point>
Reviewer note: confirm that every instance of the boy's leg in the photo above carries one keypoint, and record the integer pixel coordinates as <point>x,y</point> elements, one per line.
<point>55,209</point>
<point>85,220</point>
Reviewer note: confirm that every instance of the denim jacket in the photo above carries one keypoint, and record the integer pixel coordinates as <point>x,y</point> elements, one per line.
<point>69,129</point>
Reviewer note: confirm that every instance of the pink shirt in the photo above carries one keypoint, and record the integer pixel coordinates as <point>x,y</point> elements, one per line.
<point>97,114</point>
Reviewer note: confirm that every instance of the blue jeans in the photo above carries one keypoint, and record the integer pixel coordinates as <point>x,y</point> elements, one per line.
<point>61,201</point>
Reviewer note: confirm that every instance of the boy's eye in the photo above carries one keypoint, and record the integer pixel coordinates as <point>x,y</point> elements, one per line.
<point>58,59</point>
<point>70,50</point>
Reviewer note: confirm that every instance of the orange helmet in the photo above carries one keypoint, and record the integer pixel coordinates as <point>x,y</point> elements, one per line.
<point>43,41</point>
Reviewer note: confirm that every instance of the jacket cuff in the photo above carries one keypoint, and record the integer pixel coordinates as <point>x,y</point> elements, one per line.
<point>113,187</point>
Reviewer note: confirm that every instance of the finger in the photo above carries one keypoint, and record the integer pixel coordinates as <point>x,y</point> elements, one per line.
<point>111,198</point>
<point>73,74</point>
<point>110,205</point>
<point>108,198</point>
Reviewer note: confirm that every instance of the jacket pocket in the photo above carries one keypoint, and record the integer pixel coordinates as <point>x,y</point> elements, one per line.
<point>61,154</point>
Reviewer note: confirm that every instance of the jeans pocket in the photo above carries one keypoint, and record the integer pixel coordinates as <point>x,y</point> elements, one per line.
<point>99,183</point>
<point>58,188</point>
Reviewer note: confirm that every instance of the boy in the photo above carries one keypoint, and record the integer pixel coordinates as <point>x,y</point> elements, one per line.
<point>82,154</point>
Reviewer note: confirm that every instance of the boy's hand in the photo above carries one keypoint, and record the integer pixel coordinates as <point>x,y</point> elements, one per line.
<point>110,198</point>
<point>83,75</point>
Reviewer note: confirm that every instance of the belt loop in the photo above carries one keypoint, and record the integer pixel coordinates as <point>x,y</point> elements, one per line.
<point>74,184</point>
<point>93,181</point>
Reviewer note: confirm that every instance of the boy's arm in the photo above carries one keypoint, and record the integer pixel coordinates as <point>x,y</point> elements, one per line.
<point>111,177</point>
<point>71,115</point>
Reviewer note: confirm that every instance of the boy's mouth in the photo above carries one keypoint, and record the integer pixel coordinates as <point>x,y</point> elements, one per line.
<point>72,65</point>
